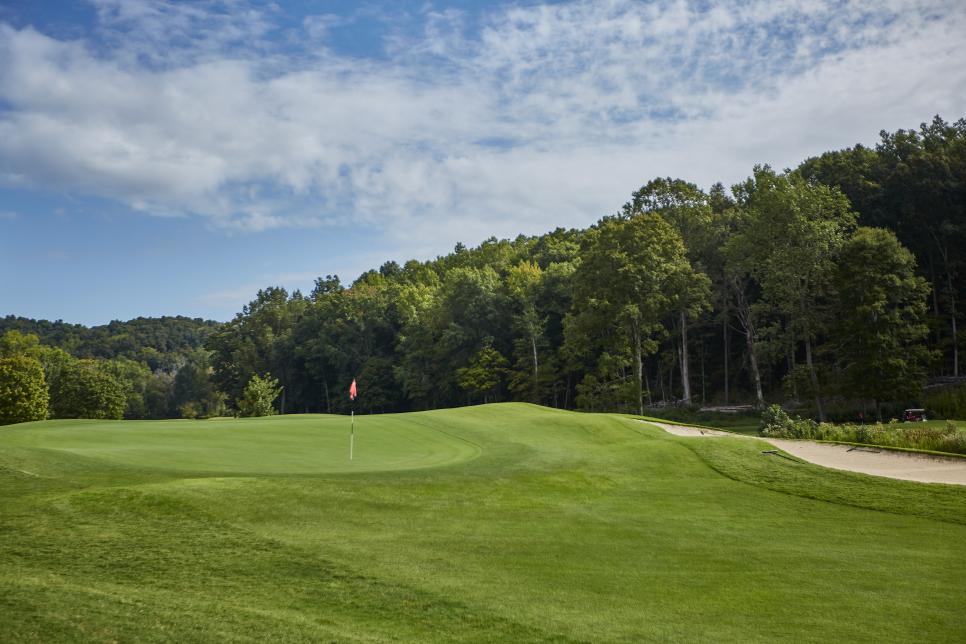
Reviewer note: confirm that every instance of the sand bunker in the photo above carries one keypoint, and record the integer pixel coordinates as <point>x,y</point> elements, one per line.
<point>868,460</point>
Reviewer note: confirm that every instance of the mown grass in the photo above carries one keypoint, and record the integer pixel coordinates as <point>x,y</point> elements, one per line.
<point>548,526</point>
<point>960,424</point>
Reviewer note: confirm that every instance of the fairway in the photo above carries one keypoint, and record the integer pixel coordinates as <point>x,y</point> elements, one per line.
<point>505,522</point>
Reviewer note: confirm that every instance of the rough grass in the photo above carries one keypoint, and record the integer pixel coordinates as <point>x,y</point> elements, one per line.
<point>740,423</point>
<point>547,526</point>
<point>930,437</point>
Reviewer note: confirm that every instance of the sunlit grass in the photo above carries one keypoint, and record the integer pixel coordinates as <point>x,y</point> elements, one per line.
<point>494,523</point>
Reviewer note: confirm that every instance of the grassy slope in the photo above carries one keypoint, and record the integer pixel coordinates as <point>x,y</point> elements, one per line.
<point>532,525</point>
<point>737,423</point>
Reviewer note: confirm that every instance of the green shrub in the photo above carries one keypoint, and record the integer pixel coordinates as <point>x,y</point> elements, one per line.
<point>190,409</point>
<point>258,397</point>
<point>211,407</point>
<point>776,423</point>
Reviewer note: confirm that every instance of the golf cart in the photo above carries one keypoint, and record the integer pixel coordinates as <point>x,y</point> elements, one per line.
<point>914,416</point>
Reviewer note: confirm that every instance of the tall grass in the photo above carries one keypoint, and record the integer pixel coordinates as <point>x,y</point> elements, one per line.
<point>946,438</point>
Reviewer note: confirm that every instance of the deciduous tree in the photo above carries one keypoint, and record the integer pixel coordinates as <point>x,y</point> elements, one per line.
<point>84,389</point>
<point>23,392</point>
<point>790,235</point>
<point>880,311</point>
<point>483,375</point>
<point>626,282</point>
<point>259,396</point>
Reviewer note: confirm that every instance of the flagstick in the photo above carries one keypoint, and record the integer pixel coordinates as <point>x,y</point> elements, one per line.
<point>352,415</point>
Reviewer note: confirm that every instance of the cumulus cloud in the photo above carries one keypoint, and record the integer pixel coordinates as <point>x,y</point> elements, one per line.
<point>539,116</point>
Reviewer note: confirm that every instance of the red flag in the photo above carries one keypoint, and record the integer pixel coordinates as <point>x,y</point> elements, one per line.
<point>352,390</point>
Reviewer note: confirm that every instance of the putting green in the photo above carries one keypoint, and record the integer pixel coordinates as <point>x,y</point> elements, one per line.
<point>303,444</point>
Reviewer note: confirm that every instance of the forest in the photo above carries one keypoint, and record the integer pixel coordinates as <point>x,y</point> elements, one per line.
<point>833,287</point>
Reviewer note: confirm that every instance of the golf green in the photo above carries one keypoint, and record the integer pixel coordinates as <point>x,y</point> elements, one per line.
<point>495,523</point>
<point>302,444</point>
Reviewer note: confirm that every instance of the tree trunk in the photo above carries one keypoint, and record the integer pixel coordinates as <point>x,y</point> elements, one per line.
<point>943,249</point>
<point>685,372</point>
<point>702,370</point>
<point>814,378</point>
<point>727,350</point>
<point>934,293</point>
<point>328,400</point>
<point>743,312</point>
<point>647,385</point>
<point>670,379</point>
<point>639,371</point>
<point>935,286</point>
<point>660,379</point>
<point>536,370</point>
<point>952,317</point>
<point>755,375</point>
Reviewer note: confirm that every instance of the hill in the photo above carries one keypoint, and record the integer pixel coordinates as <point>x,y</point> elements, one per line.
<point>159,342</point>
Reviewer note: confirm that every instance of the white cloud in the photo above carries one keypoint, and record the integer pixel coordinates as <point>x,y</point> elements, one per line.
<point>549,115</point>
<point>226,301</point>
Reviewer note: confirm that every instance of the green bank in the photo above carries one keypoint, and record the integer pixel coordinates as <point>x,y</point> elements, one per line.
<point>492,523</point>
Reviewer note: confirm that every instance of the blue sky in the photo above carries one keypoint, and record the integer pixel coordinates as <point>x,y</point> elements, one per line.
<point>172,158</point>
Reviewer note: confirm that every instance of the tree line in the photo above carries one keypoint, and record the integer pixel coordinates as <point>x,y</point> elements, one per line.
<point>834,285</point>
<point>162,343</point>
<point>145,368</point>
